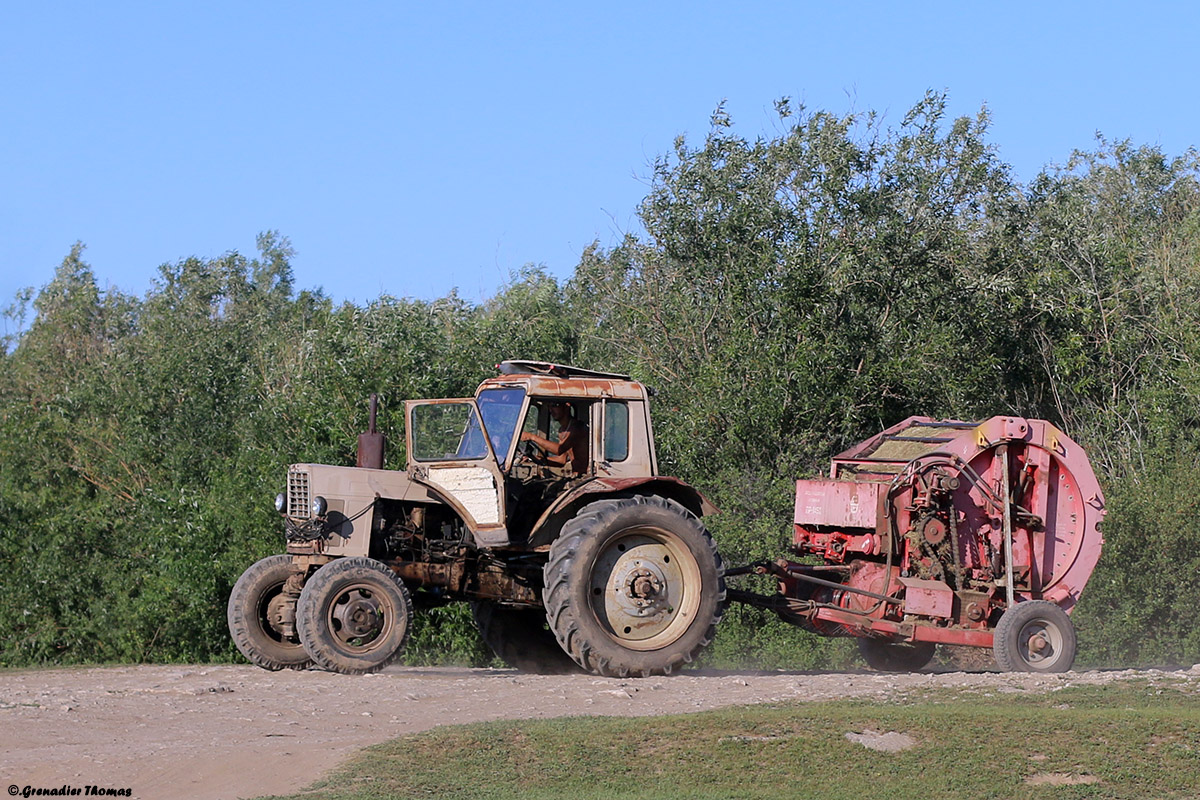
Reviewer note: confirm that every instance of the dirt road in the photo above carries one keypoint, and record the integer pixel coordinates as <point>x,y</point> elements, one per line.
<point>166,732</point>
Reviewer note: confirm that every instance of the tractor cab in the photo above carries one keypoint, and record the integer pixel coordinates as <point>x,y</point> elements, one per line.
<point>492,456</point>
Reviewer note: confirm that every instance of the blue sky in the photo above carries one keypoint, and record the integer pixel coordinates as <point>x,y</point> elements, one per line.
<point>413,148</point>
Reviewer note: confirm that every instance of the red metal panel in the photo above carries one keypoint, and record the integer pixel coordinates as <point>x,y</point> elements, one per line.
<point>841,504</point>
<point>927,598</point>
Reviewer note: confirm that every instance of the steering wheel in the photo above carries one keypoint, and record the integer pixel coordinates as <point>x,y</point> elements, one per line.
<point>528,452</point>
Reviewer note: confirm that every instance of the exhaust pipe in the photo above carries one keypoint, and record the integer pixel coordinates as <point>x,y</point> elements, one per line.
<point>371,443</point>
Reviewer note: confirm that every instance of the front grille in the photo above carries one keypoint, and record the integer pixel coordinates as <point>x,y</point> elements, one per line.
<point>299,500</point>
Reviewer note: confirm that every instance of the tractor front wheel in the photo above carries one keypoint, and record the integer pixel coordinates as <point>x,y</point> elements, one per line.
<point>257,606</point>
<point>634,586</point>
<point>354,616</point>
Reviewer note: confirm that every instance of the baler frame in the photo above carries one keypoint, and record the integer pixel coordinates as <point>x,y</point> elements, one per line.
<point>934,532</point>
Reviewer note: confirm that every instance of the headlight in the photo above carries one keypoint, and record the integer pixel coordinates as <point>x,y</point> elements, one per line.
<point>281,502</point>
<point>319,506</point>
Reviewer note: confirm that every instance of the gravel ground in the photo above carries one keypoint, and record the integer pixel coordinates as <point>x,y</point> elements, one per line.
<point>165,732</point>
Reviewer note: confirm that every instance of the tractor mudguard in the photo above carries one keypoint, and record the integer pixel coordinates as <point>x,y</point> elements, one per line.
<point>546,528</point>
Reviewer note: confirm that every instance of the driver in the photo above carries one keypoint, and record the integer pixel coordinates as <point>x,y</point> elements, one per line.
<point>571,449</point>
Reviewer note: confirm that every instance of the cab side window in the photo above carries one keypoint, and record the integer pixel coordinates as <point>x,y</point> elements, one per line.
<point>616,431</point>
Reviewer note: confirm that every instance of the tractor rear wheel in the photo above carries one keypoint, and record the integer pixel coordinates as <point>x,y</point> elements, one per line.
<point>354,616</point>
<point>520,638</point>
<point>254,612</point>
<point>885,656</point>
<point>634,586</point>
<point>1034,636</point>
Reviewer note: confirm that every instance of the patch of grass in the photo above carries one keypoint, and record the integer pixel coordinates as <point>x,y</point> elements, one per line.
<point>1126,740</point>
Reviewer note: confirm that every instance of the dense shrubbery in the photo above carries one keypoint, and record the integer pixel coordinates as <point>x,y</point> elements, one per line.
<point>792,295</point>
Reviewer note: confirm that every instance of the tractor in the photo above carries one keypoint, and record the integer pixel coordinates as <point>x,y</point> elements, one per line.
<point>595,562</point>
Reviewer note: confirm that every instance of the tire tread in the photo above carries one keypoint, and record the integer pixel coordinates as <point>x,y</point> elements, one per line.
<point>242,616</point>
<point>309,617</point>
<point>559,572</point>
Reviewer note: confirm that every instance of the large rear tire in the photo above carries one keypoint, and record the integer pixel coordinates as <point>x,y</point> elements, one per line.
<point>1034,636</point>
<point>520,638</point>
<point>354,616</point>
<point>634,586</point>
<point>253,612</point>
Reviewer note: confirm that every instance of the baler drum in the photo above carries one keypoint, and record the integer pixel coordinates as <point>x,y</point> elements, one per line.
<point>1055,514</point>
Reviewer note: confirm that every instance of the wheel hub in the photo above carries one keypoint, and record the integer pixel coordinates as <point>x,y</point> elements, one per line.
<point>643,587</point>
<point>639,589</point>
<point>278,615</point>
<point>357,617</point>
<point>1041,643</point>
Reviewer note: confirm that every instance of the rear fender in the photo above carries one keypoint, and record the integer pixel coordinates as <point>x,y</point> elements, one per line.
<point>550,523</point>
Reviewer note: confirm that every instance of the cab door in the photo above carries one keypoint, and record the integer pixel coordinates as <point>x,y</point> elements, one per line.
<point>449,450</point>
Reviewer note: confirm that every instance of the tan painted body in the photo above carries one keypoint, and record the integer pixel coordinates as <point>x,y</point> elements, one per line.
<point>477,489</point>
<point>497,506</point>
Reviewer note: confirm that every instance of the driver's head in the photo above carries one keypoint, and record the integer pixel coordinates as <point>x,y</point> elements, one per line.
<point>560,412</point>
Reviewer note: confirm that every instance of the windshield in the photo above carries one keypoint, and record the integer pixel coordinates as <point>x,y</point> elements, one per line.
<point>501,410</point>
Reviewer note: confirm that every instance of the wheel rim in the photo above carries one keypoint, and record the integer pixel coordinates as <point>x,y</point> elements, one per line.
<point>360,619</point>
<point>645,588</point>
<point>1040,643</point>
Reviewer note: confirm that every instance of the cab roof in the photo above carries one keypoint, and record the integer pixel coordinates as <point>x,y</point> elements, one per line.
<point>543,379</point>
<point>516,367</point>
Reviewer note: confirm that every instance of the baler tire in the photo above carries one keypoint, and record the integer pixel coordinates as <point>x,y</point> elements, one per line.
<point>601,620</point>
<point>354,616</point>
<point>249,623</point>
<point>519,637</point>
<point>884,656</point>
<point>1023,621</point>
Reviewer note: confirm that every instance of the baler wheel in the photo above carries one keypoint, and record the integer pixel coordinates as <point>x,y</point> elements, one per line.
<point>634,587</point>
<point>1035,636</point>
<point>354,616</point>
<point>884,656</point>
<point>256,592</point>
<point>521,639</point>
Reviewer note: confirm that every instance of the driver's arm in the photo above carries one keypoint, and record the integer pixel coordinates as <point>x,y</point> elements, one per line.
<point>564,443</point>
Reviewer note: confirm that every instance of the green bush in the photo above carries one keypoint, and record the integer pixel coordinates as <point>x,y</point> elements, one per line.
<point>791,295</point>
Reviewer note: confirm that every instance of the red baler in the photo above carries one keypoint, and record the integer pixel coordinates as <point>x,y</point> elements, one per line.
<point>960,533</point>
